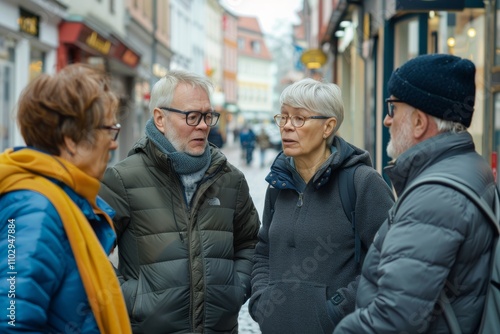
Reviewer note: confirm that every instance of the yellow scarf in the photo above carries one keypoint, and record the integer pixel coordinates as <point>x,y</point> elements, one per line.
<point>25,170</point>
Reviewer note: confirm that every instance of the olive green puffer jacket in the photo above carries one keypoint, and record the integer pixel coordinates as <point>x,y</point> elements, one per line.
<point>183,268</point>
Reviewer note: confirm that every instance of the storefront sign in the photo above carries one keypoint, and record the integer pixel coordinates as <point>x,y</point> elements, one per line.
<point>97,43</point>
<point>429,5</point>
<point>29,22</point>
<point>93,44</point>
<point>130,58</point>
<point>123,53</point>
<point>313,58</point>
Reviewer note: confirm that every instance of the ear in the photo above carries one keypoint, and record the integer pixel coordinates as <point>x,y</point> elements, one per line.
<point>68,149</point>
<point>158,118</point>
<point>70,146</point>
<point>329,127</point>
<point>421,125</point>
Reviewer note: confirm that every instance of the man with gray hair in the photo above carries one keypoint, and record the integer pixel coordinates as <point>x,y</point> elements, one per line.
<point>186,224</point>
<point>435,248</point>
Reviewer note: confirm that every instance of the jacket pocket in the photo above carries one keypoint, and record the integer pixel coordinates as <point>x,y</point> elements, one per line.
<point>129,289</point>
<point>222,307</point>
<point>298,307</point>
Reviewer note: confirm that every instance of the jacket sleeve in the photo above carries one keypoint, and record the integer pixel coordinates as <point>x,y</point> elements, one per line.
<point>415,259</point>
<point>246,226</point>
<point>30,237</point>
<point>260,272</point>
<point>114,193</point>
<point>374,198</point>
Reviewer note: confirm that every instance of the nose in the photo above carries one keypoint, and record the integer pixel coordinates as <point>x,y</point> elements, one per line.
<point>288,125</point>
<point>387,121</point>
<point>113,145</point>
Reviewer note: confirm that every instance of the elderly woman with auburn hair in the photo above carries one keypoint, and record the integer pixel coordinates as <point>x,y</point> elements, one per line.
<point>57,232</point>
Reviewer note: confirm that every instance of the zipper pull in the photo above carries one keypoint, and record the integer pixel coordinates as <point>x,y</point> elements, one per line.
<point>300,202</point>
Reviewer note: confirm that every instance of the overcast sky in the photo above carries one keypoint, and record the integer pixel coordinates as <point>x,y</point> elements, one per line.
<point>267,11</point>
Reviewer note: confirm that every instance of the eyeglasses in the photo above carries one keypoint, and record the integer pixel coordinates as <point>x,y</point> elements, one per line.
<point>193,118</point>
<point>296,120</point>
<point>390,106</point>
<point>114,130</point>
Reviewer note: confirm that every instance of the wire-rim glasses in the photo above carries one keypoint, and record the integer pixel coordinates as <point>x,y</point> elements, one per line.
<point>390,106</point>
<point>296,120</point>
<point>113,130</point>
<point>193,118</point>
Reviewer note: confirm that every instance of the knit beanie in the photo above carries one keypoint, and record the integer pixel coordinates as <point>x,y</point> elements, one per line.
<point>440,85</point>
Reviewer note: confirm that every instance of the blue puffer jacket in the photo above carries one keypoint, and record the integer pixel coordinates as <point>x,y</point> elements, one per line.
<point>40,288</point>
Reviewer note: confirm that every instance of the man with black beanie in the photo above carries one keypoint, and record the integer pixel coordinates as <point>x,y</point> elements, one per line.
<point>437,245</point>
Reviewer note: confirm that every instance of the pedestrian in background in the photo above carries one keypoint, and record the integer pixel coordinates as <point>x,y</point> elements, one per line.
<point>57,232</point>
<point>187,226</point>
<point>247,141</point>
<point>438,241</point>
<point>305,275</point>
<point>215,137</point>
<point>264,143</point>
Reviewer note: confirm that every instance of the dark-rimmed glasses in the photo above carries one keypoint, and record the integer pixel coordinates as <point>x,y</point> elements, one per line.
<point>193,118</point>
<point>390,106</point>
<point>113,130</point>
<point>296,120</point>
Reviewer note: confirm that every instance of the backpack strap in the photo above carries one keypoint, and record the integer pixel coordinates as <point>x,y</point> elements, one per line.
<point>348,198</point>
<point>493,218</point>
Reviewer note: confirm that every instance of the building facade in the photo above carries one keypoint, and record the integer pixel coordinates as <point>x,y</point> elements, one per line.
<point>366,40</point>
<point>255,72</point>
<point>28,47</point>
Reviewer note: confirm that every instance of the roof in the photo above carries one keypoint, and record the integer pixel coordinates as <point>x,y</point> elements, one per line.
<point>249,31</point>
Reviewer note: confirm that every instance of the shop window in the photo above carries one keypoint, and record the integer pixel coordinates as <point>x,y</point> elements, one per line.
<point>463,34</point>
<point>406,41</point>
<point>6,92</point>
<point>497,37</point>
<point>37,63</point>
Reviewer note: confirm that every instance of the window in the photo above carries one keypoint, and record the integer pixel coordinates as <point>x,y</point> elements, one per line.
<point>255,47</point>
<point>241,43</point>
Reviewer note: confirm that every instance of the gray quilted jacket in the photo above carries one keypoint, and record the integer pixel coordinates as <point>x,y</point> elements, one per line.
<point>183,269</point>
<point>437,240</point>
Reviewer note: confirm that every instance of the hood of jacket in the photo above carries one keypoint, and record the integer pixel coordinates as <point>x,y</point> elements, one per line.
<point>421,156</point>
<point>343,155</point>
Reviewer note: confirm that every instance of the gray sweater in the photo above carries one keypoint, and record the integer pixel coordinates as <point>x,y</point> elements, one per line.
<point>305,254</point>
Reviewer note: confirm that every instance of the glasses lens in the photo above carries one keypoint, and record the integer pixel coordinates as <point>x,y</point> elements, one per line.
<point>114,134</point>
<point>193,118</point>
<point>298,121</point>
<point>390,109</point>
<point>214,118</point>
<point>280,120</point>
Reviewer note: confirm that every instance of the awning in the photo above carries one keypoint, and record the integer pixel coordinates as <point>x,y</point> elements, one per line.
<point>95,43</point>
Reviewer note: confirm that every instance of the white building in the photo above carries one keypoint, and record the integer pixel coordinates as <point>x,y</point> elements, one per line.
<point>255,72</point>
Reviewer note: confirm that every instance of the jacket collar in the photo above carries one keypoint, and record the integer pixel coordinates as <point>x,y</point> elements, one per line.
<point>344,154</point>
<point>419,157</point>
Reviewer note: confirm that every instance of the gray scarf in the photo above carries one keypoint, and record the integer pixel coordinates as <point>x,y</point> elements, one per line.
<point>183,163</point>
